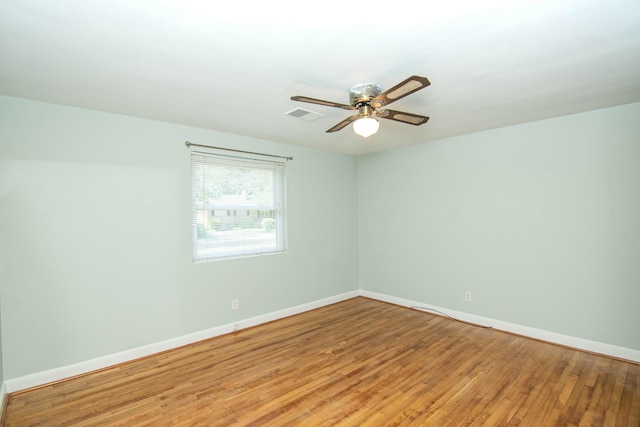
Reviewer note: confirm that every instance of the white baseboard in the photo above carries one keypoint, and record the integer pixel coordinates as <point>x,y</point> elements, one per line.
<point>3,393</point>
<point>45,377</point>
<point>565,340</point>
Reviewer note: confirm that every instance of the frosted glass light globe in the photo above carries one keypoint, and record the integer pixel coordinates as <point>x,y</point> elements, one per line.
<point>366,126</point>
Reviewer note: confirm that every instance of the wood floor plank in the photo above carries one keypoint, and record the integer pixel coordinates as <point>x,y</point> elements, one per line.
<point>355,363</point>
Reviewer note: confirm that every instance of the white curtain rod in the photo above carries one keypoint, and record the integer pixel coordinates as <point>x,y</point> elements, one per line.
<point>189,144</point>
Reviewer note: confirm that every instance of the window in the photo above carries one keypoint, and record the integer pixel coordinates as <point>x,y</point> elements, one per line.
<point>238,207</point>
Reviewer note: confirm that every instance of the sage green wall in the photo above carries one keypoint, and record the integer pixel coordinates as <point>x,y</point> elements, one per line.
<point>95,228</point>
<point>541,222</point>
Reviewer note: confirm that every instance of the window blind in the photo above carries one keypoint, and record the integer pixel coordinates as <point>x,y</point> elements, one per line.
<point>238,207</point>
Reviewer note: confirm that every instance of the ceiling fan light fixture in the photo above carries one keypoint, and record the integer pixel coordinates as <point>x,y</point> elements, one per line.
<point>366,126</point>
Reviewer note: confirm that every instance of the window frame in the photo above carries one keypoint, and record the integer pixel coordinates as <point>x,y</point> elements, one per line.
<point>201,252</point>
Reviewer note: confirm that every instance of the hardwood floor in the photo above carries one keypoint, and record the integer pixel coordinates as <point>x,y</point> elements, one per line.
<point>356,363</point>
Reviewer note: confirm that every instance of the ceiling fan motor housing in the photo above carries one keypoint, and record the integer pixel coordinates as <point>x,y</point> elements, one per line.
<point>363,93</point>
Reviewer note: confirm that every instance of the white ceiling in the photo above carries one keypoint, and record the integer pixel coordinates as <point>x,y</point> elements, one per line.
<point>233,66</point>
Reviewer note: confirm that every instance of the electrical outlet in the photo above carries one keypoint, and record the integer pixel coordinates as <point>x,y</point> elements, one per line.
<point>467,296</point>
<point>235,304</point>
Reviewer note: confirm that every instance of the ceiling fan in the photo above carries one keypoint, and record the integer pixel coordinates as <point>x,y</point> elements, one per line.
<point>369,99</point>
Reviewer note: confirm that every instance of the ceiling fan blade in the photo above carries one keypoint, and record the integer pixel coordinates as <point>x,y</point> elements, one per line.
<point>399,116</point>
<point>344,123</point>
<point>321,102</point>
<point>407,87</point>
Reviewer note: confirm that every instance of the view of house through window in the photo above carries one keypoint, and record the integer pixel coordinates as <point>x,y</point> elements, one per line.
<point>238,207</point>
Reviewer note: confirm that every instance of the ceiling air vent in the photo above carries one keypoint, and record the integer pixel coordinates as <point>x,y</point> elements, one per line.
<point>303,114</point>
